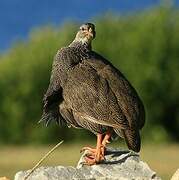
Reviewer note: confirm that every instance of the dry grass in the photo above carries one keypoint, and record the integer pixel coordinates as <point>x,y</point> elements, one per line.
<point>163,159</point>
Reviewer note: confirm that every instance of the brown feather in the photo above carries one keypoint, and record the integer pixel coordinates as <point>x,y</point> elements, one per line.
<point>87,91</point>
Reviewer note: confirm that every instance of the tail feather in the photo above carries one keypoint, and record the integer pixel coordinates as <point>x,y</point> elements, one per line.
<point>48,117</point>
<point>51,113</point>
<point>133,140</point>
<point>51,103</point>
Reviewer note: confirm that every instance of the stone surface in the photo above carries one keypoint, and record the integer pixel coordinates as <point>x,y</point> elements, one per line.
<point>176,175</point>
<point>118,164</point>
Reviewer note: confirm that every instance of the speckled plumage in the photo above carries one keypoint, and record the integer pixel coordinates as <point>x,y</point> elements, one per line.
<point>87,91</point>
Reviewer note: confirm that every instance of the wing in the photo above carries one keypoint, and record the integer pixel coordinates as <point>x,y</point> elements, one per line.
<point>90,97</point>
<point>64,60</point>
<point>127,98</point>
<point>53,96</point>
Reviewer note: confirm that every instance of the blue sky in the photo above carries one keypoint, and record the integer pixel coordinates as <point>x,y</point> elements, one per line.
<point>18,17</point>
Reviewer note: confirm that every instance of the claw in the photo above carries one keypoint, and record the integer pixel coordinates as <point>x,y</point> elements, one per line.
<point>90,155</point>
<point>90,161</point>
<point>88,149</point>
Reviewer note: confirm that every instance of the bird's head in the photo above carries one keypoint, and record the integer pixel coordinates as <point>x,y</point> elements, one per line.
<point>86,33</point>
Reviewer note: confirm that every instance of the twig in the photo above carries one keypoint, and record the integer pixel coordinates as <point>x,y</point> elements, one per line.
<point>42,159</point>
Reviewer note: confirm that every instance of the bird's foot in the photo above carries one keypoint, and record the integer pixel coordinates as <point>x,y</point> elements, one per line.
<point>94,156</point>
<point>90,161</point>
<point>90,149</point>
<point>93,150</point>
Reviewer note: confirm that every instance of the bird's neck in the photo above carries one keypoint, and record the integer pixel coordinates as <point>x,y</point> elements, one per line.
<point>81,45</point>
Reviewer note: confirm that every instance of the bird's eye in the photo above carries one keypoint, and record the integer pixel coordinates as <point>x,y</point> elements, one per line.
<point>82,28</point>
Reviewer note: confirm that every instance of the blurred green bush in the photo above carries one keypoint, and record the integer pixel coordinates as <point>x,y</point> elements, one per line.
<point>144,46</point>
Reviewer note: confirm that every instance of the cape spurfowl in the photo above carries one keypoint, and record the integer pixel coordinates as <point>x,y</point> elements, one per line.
<point>87,91</point>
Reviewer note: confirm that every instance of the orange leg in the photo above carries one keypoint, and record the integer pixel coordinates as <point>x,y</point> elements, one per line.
<point>105,141</point>
<point>95,155</point>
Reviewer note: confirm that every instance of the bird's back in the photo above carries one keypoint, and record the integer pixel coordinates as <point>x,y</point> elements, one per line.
<point>92,93</point>
<point>95,87</point>
<point>127,98</point>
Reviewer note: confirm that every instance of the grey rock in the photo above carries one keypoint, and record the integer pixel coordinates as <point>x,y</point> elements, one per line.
<point>175,175</point>
<point>118,165</point>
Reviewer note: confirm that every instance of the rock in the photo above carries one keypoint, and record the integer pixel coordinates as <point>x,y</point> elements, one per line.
<point>176,175</point>
<point>118,165</point>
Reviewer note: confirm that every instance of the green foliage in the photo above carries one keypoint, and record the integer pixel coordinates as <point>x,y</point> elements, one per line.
<point>144,46</point>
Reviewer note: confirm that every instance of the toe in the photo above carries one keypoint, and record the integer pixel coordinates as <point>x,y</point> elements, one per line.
<point>89,161</point>
<point>93,150</point>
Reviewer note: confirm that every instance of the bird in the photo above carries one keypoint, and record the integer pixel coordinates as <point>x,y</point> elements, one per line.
<point>87,91</point>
